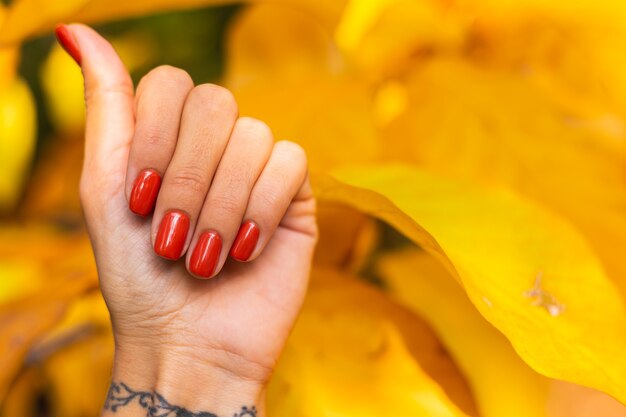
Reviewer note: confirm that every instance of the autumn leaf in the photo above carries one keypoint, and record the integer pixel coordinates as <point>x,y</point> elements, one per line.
<point>527,271</point>
<point>41,273</point>
<point>355,352</point>
<point>566,156</point>
<point>327,111</point>
<point>483,353</point>
<point>17,139</point>
<point>501,382</point>
<point>20,22</point>
<point>24,322</point>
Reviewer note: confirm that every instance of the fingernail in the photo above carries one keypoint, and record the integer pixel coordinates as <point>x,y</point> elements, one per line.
<point>68,42</point>
<point>145,191</point>
<point>172,234</point>
<point>245,242</point>
<point>206,254</point>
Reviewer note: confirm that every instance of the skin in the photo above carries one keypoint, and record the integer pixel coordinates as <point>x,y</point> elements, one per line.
<point>207,345</point>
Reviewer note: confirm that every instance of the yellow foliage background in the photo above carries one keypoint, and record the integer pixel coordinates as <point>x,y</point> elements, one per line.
<point>469,158</point>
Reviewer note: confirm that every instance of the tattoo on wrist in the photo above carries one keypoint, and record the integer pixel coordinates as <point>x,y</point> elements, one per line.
<point>120,395</point>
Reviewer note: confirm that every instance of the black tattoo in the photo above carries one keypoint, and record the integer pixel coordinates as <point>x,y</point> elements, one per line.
<point>120,395</point>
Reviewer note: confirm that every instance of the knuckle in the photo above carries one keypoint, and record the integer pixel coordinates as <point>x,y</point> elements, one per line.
<point>270,198</point>
<point>228,204</point>
<point>168,74</point>
<point>98,93</point>
<point>214,97</point>
<point>254,127</point>
<point>154,136</point>
<point>190,178</point>
<point>292,152</point>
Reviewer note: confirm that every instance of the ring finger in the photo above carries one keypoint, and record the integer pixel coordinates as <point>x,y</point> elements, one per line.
<point>247,152</point>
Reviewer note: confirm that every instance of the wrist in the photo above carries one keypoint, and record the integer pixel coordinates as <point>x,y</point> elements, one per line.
<point>170,380</point>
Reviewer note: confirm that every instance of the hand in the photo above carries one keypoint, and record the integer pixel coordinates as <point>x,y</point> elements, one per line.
<point>200,327</point>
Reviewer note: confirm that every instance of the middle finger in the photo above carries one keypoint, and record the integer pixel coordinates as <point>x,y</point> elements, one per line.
<point>208,118</point>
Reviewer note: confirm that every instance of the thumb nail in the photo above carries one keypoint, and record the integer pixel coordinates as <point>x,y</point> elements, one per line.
<point>68,42</point>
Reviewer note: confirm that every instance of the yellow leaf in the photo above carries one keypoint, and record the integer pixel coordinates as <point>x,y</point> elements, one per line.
<point>70,366</point>
<point>355,352</point>
<point>41,272</point>
<point>381,37</point>
<point>297,46</point>
<point>25,321</point>
<point>566,10</point>
<point>17,139</point>
<point>62,82</point>
<point>546,290</point>
<point>78,376</point>
<point>76,357</point>
<point>8,63</point>
<point>21,399</point>
<point>569,157</point>
<point>327,112</point>
<point>300,112</point>
<point>346,237</point>
<point>8,57</point>
<point>29,17</point>
<point>503,385</point>
<point>52,191</point>
<point>483,353</point>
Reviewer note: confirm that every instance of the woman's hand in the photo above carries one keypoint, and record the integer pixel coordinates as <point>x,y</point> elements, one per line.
<point>205,276</point>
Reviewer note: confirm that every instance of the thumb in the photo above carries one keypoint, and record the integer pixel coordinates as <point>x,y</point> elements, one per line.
<point>109,102</point>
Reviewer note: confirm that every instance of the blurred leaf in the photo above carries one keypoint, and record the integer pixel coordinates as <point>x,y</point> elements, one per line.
<point>8,63</point>
<point>76,357</point>
<point>52,192</point>
<point>55,270</point>
<point>69,367</point>
<point>574,50</point>
<point>355,352</point>
<point>576,10</point>
<point>297,47</point>
<point>346,237</point>
<point>22,398</point>
<point>545,288</point>
<point>62,82</point>
<point>28,17</point>
<point>78,376</point>
<point>380,37</point>
<point>306,101</point>
<point>17,138</point>
<point>22,323</point>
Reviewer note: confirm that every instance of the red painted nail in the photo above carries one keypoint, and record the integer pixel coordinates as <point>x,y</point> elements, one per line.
<point>245,242</point>
<point>206,254</point>
<point>172,234</point>
<point>68,42</point>
<point>145,191</point>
